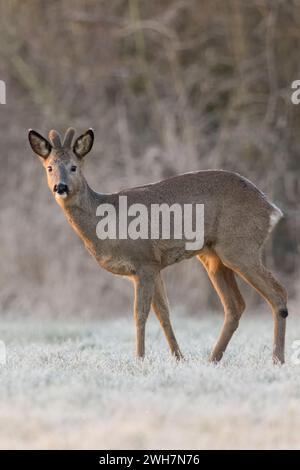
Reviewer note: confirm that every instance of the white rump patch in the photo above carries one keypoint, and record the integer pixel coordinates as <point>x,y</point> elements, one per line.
<point>275,216</point>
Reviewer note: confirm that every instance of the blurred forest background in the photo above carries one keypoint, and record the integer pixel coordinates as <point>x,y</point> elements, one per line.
<point>169,86</point>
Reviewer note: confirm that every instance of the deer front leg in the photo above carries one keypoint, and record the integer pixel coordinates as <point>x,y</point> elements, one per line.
<point>143,290</point>
<point>161,308</point>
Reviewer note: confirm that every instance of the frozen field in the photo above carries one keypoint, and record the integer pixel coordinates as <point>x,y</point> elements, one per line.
<point>75,384</point>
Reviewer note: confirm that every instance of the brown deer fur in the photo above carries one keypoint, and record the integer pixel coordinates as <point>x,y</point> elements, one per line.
<point>238,220</point>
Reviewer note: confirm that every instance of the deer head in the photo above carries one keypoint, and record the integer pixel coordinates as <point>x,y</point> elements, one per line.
<point>62,160</point>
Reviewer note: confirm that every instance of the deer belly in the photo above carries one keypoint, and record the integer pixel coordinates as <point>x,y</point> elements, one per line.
<point>121,267</point>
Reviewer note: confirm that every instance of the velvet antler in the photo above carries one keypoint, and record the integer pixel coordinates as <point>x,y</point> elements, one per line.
<point>67,142</point>
<point>55,139</point>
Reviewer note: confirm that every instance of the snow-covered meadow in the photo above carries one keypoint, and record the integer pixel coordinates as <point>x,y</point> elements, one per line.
<point>75,384</point>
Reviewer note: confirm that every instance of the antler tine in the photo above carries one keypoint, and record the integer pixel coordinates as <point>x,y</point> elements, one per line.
<point>55,139</point>
<point>68,137</point>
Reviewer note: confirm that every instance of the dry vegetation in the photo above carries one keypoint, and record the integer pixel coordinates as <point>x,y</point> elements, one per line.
<point>168,87</point>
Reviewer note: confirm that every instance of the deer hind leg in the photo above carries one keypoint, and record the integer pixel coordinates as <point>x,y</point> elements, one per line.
<point>143,290</point>
<point>233,303</point>
<point>251,269</point>
<point>161,308</point>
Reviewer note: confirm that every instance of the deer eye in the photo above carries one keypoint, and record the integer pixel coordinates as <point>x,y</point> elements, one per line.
<point>73,168</point>
<point>49,168</point>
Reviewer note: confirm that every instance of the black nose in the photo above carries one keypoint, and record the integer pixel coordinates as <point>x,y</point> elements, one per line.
<point>61,188</point>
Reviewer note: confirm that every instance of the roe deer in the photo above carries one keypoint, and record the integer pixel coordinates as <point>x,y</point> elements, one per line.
<point>238,220</point>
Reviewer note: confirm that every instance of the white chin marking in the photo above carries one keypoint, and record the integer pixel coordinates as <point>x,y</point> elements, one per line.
<point>60,196</point>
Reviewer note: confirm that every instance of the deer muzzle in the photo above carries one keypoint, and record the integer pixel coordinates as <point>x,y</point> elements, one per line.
<point>61,189</point>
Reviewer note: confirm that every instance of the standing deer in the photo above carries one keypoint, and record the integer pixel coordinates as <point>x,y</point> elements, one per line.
<point>238,220</point>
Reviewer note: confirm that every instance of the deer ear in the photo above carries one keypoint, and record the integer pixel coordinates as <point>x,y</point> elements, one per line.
<point>84,144</point>
<point>38,144</point>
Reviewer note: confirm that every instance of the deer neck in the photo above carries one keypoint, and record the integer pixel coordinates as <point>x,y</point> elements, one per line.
<point>81,212</point>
